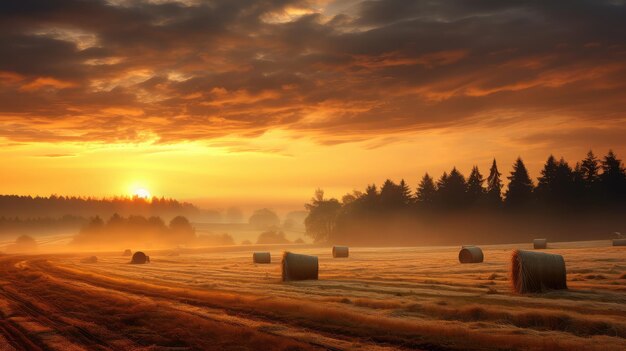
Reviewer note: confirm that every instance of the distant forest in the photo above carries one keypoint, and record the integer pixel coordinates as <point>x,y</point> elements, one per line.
<point>138,231</point>
<point>59,206</point>
<point>41,225</point>
<point>586,201</point>
<point>63,214</point>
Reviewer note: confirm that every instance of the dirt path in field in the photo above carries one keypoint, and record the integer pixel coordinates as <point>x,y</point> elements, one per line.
<point>396,299</point>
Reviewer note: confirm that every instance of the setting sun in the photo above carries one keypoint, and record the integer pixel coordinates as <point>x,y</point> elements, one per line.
<point>142,193</point>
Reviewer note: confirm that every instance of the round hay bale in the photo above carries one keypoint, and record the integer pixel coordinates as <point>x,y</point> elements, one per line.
<point>340,251</point>
<point>539,244</point>
<point>535,272</point>
<point>471,254</point>
<point>140,258</point>
<point>127,252</point>
<point>261,257</point>
<point>619,242</point>
<point>299,267</point>
<point>91,259</point>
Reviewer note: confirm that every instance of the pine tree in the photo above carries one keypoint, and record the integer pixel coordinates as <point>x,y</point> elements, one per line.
<point>563,188</point>
<point>546,182</point>
<point>579,191</point>
<point>520,185</point>
<point>405,193</point>
<point>451,189</point>
<point>590,179</point>
<point>371,191</point>
<point>494,185</point>
<point>441,183</point>
<point>370,200</point>
<point>475,190</point>
<point>613,178</point>
<point>391,195</point>
<point>589,170</point>
<point>426,191</point>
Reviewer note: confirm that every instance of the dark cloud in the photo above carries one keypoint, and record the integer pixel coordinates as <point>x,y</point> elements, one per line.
<point>168,71</point>
<point>605,138</point>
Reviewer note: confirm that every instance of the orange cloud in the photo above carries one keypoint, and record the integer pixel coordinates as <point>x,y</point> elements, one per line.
<point>46,82</point>
<point>172,73</point>
<point>10,77</point>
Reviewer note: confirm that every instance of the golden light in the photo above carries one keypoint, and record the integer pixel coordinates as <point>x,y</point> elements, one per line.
<point>142,194</point>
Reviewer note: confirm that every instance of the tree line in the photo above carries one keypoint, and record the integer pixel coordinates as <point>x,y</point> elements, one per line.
<point>145,232</point>
<point>590,185</point>
<point>136,230</point>
<point>58,206</point>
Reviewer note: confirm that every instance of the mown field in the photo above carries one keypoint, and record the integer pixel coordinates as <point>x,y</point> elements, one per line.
<point>378,299</point>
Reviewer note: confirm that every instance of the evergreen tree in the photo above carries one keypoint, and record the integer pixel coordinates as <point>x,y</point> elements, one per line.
<point>370,200</point>
<point>590,177</point>
<point>426,191</point>
<point>546,182</point>
<point>613,178</point>
<point>405,193</point>
<point>394,195</point>
<point>475,190</point>
<point>520,185</point>
<point>494,185</point>
<point>579,191</point>
<point>441,183</point>
<point>371,191</point>
<point>589,170</point>
<point>563,188</point>
<point>451,190</point>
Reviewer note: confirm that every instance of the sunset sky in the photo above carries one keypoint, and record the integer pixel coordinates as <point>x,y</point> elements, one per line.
<point>260,102</point>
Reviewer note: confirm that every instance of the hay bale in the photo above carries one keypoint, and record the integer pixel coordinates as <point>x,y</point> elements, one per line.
<point>471,254</point>
<point>261,257</point>
<point>619,242</point>
<point>340,251</point>
<point>539,244</point>
<point>140,258</point>
<point>299,267</point>
<point>127,252</point>
<point>91,259</point>
<point>534,272</point>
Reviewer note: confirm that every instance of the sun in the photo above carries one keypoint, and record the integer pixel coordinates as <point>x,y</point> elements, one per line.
<point>142,193</point>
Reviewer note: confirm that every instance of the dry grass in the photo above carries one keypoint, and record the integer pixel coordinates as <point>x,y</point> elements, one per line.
<point>378,299</point>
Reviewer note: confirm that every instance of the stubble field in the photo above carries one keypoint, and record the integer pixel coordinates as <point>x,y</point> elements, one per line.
<point>378,299</point>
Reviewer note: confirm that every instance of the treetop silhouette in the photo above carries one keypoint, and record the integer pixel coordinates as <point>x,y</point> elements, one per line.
<point>591,186</point>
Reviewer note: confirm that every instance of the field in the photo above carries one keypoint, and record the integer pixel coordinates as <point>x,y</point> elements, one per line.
<point>378,299</point>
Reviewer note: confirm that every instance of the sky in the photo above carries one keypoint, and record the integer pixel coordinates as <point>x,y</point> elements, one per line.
<point>258,103</point>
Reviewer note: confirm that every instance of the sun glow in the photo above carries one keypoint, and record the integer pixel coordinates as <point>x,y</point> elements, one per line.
<point>142,193</point>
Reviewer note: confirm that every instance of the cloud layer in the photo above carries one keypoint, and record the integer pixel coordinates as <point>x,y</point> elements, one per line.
<point>337,71</point>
